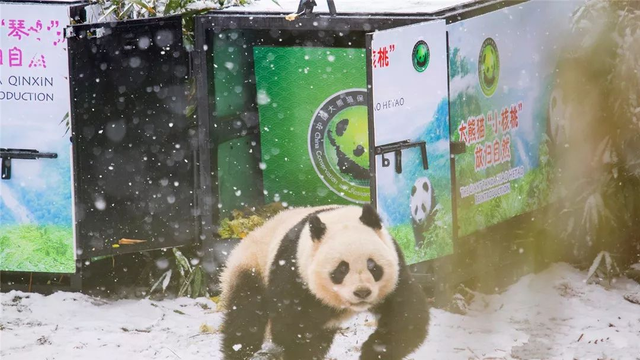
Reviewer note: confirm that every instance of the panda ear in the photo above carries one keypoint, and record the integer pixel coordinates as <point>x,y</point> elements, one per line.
<point>370,217</point>
<point>317,228</point>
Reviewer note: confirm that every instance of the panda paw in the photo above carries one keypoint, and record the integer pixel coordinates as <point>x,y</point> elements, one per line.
<point>269,352</point>
<point>375,350</point>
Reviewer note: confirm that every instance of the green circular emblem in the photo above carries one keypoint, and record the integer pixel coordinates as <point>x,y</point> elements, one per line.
<point>420,56</point>
<point>489,67</point>
<point>339,144</point>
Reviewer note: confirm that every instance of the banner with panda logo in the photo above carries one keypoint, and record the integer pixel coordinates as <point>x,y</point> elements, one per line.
<point>314,134</point>
<point>411,135</point>
<point>502,67</point>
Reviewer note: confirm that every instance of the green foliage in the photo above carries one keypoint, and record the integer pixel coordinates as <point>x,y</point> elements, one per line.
<point>243,222</point>
<point>67,124</point>
<point>136,9</point>
<point>458,65</point>
<point>44,248</point>
<point>191,280</point>
<point>599,177</point>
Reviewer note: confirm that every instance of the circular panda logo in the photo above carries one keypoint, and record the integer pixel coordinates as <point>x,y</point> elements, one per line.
<point>489,67</point>
<point>339,144</point>
<point>420,56</point>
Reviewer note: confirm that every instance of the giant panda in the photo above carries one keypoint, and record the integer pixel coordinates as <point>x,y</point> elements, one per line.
<point>423,209</point>
<point>308,269</point>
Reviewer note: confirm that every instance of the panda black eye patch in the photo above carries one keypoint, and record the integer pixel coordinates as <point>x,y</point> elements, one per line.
<point>375,269</point>
<point>340,272</point>
<point>425,186</point>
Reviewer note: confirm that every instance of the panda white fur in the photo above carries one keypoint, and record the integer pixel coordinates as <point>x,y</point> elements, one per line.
<point>305,271</point>
<point>423,204</point>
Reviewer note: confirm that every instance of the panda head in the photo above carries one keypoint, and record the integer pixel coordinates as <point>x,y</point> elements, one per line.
<point>422,199</point>
<point>348,259</point>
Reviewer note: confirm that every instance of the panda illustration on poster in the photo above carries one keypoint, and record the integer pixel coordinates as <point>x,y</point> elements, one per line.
<point>349,150</point>
<point>423,209</point>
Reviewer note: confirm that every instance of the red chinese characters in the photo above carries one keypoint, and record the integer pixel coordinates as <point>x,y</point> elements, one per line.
<point>471,131</point>
<point>480,128</point>
<point>380,58</point>
<point>462,131</point>
<point>497,127</point>
<point>480,158</point>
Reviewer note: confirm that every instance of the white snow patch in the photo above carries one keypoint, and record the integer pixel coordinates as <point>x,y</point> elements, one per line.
<point>552,315</point>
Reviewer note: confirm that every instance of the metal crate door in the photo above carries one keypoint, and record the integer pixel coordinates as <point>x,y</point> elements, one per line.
<point>409,126</point>
<point>135,171</point>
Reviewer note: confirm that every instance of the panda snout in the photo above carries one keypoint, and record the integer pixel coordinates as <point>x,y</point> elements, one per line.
<point>362,292</point>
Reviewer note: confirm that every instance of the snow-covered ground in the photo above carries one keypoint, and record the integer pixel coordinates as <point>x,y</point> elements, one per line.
<point>551,315</point>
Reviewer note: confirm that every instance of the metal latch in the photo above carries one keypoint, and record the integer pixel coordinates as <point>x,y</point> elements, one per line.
<point>397,148</point>
<point>69,32</point>
<point>6,155</point>
<point>97,33</point>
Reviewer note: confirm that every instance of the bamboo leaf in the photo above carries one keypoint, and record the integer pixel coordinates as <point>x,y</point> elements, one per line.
<point>125,13</point>
<point>66,117</point>
<point>167,278</point>
<point>110,11</point>
<point>144,5</point>
<point>164,279</point>
<point>191,109</point>
<point>197,282</point>
<point>181,260</point>
<point>186,285</point>
<point>172,5</point>
<point>595,265</point>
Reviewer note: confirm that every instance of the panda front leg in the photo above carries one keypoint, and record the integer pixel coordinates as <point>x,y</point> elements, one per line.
<point>402,324</point>
<point>418,234</point>
<point>245,320</point>
<point>301,340</point>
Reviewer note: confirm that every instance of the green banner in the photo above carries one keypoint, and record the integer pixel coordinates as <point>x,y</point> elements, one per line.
<point>312,104</point>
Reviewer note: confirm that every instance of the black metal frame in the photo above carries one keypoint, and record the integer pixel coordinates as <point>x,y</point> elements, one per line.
<point>304,31</point>
<point>205,28</point>
<point>85,30</point>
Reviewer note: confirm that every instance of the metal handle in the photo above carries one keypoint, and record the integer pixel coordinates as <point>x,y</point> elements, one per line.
<point>397,148</point>
<point>6,155</point>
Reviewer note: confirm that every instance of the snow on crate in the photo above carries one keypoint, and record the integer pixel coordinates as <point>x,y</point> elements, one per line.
<point>555,314</point>
<point>356,6</point>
